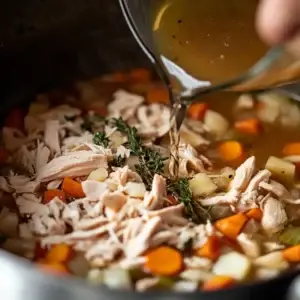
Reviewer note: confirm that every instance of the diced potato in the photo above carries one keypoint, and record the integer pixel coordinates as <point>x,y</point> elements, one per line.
<point>245,101</point>
<point>202,185</point>
<point>95,276</point>
<point>117,278</point>
<point>265,273</point>
<point>192,138</point>
<point>273,260</point>
<point>215,122</point>
<point>268,107</point>
<point>135,189</point>
<point>185,286</point>
<point>282,170</point>
<point>195,275</point>
<point>98,175</point>
<point>233,264</point>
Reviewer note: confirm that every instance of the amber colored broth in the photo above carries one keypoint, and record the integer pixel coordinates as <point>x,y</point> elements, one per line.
<point>272,139</point>
<point>212,40</point>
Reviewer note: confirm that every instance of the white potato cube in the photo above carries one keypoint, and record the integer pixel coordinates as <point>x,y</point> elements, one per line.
<point>202,185</point>
<point>135,189</point>
<point>98,175</point>
<point>233,264</point>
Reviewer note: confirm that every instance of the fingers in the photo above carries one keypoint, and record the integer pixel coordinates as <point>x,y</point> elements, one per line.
<point>278,20</point>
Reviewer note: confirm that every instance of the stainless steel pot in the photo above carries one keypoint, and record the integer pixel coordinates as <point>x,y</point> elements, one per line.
<point>50,43</point>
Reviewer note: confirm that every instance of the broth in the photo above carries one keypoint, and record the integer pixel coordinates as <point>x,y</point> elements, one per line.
<point>210,40</point>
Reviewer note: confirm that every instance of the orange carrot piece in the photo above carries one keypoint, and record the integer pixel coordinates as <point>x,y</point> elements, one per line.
<point>158,94</point>
<point>72,188</point>
<point>50,194</point>
<point>140,75</point>
<point>231,226</point>
<point>231,150</point>
<point>249,126</point>
<point>53,268</point>
<point>164,261</point>
<point>291,149</point>
<point>15,119</point>
<point>211,249</point>
<point>292,254</point>
<point>60,253</point>
<point>217,283</point>
<point>255,213</point>
<point>197,111</point>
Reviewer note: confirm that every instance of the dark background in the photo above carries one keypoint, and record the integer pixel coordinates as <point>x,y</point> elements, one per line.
<point>50,43</point>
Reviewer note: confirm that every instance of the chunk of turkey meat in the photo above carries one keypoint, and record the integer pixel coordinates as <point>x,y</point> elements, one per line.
<point>51,135</point>
<point>274,216</point>
<point>74,164</point>
<point>158,194</point>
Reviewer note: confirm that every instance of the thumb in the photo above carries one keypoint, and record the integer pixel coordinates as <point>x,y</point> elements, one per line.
<point>278,20</point>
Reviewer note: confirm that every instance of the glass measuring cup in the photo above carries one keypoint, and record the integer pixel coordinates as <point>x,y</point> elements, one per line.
<point>275,68</point>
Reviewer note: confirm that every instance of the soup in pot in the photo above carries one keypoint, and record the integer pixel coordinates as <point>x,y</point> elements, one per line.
<point>86,188</point>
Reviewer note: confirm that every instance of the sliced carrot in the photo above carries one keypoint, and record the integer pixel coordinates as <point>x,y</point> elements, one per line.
<point>158,94</point>
<point>255,213</point>
<point>53,268</point>
<point>197,111</point>
<point>164,261</point>
<point>140,75</point>
<point>15,119</point>
<point>249,126</point>
<point>211,249</point>
<point>292,254</point>
<point>291,149</point>
<point>217,283</point>
<point>231,150</point>
<point>72,188</point>
<point>60,253</point>
<point>231,226</point>
<point>51,194</point>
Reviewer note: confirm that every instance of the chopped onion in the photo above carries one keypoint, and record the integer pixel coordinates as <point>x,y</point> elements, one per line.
<point>117,278</point>
<point>135,189</point>
<point>273,260</point>
<point>233,264</point>
<point>99,175</point>
<point>202,185</point>
<point>282,170</point>
<point>215,122</point>
<point>192,138</point>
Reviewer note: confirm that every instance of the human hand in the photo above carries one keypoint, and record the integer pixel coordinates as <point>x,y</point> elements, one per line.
<point>278,22</point>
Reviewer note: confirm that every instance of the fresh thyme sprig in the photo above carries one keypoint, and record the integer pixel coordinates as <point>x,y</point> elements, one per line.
<point>101,139</point>
<point>181,189</point>
<point>150,161</point>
